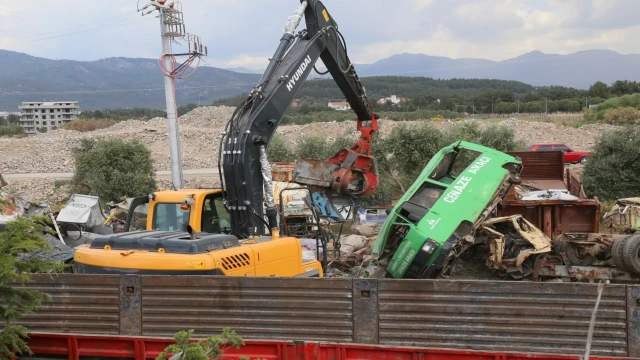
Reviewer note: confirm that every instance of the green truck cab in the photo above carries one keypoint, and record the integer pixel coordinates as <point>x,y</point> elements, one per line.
<point>454,194</point>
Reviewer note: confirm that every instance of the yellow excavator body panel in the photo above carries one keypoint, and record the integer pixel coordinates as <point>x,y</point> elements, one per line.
<point>170,253</point>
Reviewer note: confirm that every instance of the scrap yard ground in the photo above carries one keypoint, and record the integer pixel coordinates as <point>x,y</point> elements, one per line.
<point>200,132</point>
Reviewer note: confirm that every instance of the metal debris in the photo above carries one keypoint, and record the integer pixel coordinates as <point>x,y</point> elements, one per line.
<point>512,240</point>
<point>624,216</point>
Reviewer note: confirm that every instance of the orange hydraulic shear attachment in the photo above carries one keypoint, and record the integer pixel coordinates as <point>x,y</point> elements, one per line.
<point>351,171</point>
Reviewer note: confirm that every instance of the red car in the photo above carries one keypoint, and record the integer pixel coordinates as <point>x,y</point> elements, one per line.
<point>570,155</point>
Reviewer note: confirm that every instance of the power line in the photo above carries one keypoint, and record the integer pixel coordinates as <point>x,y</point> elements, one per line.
<point>124,22</point>
<point>122,90</point>
<point>93,23</point>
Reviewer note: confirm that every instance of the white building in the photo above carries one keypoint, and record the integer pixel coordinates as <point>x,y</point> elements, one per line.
<point>5,114</point>
<point>393,98</point>
<point>343,105</point>
<point>47,115</point>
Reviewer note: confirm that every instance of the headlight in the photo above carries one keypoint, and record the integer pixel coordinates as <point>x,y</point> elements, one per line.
<point>429,246</point>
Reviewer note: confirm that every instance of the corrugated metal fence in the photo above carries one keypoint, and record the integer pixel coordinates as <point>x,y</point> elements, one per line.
<point>480,315</point>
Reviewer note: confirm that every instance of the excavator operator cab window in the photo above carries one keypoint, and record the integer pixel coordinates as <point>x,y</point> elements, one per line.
<point>169,217</point>
<point>215,218</point>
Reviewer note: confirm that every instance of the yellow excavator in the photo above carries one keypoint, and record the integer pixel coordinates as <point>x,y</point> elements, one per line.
<point>234,230</point>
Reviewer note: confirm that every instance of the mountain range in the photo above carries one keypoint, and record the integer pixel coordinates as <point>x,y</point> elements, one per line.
<point>109,83</point>
<point>136,82</point>
<point>578,70</point>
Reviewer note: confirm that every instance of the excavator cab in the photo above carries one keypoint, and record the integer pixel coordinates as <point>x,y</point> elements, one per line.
<point>174,210</point>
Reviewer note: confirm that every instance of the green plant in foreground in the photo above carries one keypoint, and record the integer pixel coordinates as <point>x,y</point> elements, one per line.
<point>21,237</point>
<point>210,348</point>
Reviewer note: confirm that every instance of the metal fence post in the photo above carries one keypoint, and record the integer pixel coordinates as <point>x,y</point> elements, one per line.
<point>365,311</point>
<point>130,305</point>
<point>633,320</point>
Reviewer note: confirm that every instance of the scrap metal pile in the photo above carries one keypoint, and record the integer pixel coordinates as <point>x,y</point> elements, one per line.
<point>544,228</point>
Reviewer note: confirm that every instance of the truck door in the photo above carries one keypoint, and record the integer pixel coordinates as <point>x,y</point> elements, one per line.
<point>137,214</point>
<point>215,218</point>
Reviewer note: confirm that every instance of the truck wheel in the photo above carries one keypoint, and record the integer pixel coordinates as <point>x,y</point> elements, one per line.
<point>583,160</point>
<point>575,256</point>
<point>617,251</point>
<point>631,254</point>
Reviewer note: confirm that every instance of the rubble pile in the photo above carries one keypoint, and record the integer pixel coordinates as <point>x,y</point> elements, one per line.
<point>582,138</point>
<point>207,116</point>
<point>39,190</point>
<point>201,128</point>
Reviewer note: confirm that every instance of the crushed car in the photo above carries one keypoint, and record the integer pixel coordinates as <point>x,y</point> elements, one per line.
<point>513,241</point>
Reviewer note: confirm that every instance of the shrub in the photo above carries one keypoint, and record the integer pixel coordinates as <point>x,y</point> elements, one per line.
<point>279,151</point>
<point>313,147</point>
<point>88,125</point>
<point>113,169</point>
<point>622,116</point>
<point>612,171</point>
<point>11,130</point>
<point>211,348</point>
<point>501,138</point>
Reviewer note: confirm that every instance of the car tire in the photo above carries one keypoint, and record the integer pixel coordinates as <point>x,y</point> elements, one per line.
<point>631,254</point>
<point>617,252</point>
<point>583,160</point>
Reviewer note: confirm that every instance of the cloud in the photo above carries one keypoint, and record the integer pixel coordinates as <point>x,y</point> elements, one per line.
<point>251,62</point>
<point>246,33</point>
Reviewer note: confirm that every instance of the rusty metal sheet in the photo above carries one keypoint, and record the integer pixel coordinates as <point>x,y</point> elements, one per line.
<point>256,308</point>
<point>314,172</point>
<point>541,165</point>
<point>561,215</point>
<point>82,304</point>
<point>365,311</point>
<point>633,314</point>
<point>282,171</point>
<point>502,316</point>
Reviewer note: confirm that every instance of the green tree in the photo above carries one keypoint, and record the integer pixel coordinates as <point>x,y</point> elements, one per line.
<point>279,151</point>
<point>411,148</point>
<point>313,147</point>
<point>210,348</point>
<point>113,169</point>
<point>501,138</point>
<point>13,119</point>
<point>599,89</point>
<point>612,171</point>
<point>21,237</point>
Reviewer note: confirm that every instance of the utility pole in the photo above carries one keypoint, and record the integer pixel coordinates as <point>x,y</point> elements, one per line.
<point>172,28</point>
<point>518,106</point>
<point>545,106</point>
<point>586,106</point>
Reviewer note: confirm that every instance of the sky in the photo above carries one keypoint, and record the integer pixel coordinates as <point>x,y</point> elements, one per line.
<point>245,33</point>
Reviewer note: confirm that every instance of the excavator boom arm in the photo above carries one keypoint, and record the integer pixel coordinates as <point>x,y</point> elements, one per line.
<point>253,124</point>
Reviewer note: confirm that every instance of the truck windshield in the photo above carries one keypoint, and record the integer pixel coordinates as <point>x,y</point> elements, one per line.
<point>169,217</point>
<point>419,204</point>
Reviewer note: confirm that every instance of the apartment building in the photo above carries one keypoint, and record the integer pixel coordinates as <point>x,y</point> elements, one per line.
<point>47,115</point>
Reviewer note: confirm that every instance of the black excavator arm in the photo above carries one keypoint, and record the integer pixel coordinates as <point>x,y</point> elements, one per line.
<point>243,146</point>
